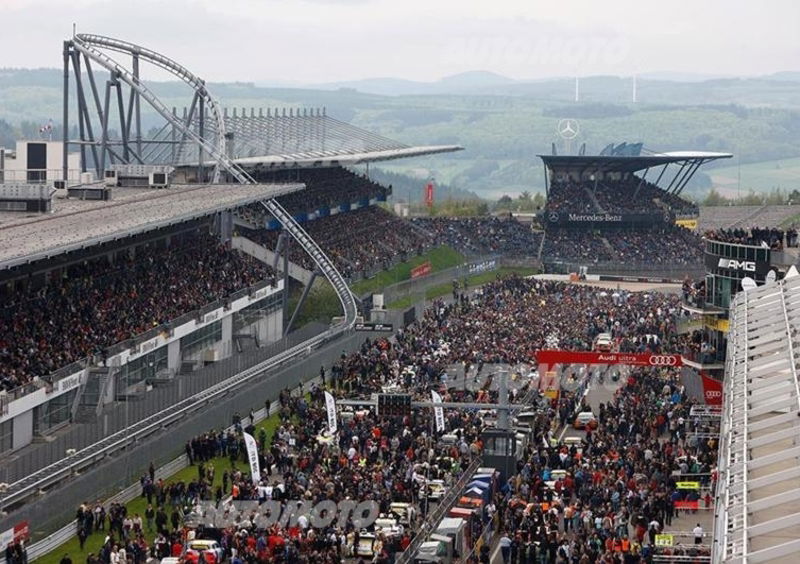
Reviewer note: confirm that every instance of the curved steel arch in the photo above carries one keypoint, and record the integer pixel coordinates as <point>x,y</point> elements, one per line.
<point>88,46</point>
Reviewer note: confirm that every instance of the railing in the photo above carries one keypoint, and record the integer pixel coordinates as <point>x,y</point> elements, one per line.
<point>38,176</point>
<point>677,269</point>
<point>717,357</point>
<point>433,519</point>
<point>54,473</point>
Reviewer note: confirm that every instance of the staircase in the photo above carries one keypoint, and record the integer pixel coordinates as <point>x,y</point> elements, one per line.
<point>541,246</point>
<point>94,389</point>
<point>609,247</point>
<point>746,221</point>
<point>591,196</point>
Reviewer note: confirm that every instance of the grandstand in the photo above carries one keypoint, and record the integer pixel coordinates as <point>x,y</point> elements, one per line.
<point>136,278</point>
<point>732,217</point>
<point>602,211</point>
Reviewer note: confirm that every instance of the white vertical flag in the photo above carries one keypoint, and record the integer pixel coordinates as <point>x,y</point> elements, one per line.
<point>330,405</point>
<point>252,455</point>
<point>438,412</point>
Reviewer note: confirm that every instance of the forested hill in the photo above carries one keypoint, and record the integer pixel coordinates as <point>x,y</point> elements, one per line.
<point>504,123</point>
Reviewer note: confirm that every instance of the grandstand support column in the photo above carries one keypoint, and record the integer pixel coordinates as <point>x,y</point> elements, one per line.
<point>278,247</point>
<point>641,181</point>
<point>65,116</point>
<point>302,301</point>
<point>286,244</point>
<point>104,132</point>
<point>137,105</point>
<point>202,132</point>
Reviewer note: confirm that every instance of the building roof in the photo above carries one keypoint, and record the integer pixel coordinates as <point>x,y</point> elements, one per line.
<point>617,163</point>
<point>758,494</point>
<point>77,224</point>
<point>332,158</point>
<point>299,138</point>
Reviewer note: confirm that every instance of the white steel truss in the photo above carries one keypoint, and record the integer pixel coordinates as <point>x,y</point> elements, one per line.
<point>758,492</point>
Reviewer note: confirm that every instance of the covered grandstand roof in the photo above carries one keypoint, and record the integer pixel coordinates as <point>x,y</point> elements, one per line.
<point>626,163</point>
<point>77,224</point>
<point>300,138</point>
<point>758,494</point>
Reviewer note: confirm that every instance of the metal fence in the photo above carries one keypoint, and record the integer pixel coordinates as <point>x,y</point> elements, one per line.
<point>659,270</point>
<point>65,533</point>
<point>105,476</point>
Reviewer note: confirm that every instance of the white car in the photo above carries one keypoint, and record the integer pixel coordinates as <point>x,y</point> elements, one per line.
<point>205,545</point>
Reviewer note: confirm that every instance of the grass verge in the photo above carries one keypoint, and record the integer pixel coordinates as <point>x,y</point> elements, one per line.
<point>441,258</point>
<point>477,280</point>
<point>139,504</point>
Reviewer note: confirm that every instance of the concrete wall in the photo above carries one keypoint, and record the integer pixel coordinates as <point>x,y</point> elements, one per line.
<point>268,257</point>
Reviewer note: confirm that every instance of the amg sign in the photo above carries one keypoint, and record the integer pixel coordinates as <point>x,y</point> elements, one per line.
<point>733,264</point>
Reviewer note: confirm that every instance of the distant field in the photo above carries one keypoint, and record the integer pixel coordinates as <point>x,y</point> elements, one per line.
<point>760,177</point>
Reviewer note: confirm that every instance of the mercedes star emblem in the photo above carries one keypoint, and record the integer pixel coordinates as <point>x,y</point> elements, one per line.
<point>568,128</point>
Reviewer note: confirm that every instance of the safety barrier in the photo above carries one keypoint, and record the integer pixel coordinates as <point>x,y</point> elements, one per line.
<point>65,533</point>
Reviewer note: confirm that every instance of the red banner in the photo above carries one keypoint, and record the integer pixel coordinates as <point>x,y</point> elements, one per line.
<point>712,390</point>
<point>429,194</point>
<point>422,270</point>
<point>20,532</point>
<point>687,505</point>
<point>551,358</point>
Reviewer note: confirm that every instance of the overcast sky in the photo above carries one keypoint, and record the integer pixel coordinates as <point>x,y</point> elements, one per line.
<point>308,41</point>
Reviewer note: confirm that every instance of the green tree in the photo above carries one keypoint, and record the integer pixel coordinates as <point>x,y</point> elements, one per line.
<point>714,198</point>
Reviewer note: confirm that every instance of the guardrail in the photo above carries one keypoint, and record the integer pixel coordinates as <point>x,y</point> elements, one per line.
<point>66,467</point>
<point>433,519</point>
<point>65,533</point>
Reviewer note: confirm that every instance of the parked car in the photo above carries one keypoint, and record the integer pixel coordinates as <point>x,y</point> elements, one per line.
<point>585,420</point>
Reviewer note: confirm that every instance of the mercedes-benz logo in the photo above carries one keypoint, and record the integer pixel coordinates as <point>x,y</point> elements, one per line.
<point>553,217</point>
<point>568,128</point>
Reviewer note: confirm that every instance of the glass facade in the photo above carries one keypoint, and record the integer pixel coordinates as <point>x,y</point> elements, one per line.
<point>6,435</point>
<point>201,339</point>
<point>252,313</point>
<point>723,282</point>
<point>53,413</point>
<point>145,367</point>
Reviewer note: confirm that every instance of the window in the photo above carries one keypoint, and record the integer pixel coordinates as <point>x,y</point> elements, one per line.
<point>201,339</point>
<point>53,413</point>
<point>6,435</point>
<point>252,313</point>
<point>145,367</point>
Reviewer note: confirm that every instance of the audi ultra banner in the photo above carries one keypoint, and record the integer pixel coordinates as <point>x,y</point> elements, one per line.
<point>578,219</point>
<point>550,358</point>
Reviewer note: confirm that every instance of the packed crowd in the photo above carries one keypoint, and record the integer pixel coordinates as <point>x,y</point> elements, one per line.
<point>359,242</point>
<point>363,241</point>
<point>669,245</point>
<point>575,244</point>
<point>98,303</point>
<point>483,235</point>
<point>775,239</point>
<point>619,486</point>
<point>390,459</point>
<point>666,246</point>
<point>614,196</point>
<point>569,196</point>
<point>325,188</point>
